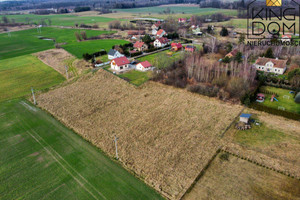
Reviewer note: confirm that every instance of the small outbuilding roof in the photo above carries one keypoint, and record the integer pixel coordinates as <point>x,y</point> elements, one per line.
<point>245,115</point>
<point>145,64</point>
<point>261,95</point>
<point>112,52</point>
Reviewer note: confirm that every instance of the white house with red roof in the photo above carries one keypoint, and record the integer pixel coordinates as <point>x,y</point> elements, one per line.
<point>276,66</point>
<point>140,46</point>
<point>155,26</point>
<point>120,64</point>
<point>143,66</point>
<point>161,42</point>
<point>286,38</point>
<point>181,20</point>
<point>160,33</point>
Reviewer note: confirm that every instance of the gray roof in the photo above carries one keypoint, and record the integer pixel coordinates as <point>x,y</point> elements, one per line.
<point>112,52</point>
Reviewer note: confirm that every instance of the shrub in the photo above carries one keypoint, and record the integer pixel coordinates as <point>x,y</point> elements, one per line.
<point>224,156</point>
<point>297,98</point>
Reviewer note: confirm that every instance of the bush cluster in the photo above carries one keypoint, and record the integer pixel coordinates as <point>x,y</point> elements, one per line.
<point>87,56</point>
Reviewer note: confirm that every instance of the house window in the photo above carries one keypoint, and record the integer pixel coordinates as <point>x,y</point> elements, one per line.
<point>121,68</point>
<point>275,70</point>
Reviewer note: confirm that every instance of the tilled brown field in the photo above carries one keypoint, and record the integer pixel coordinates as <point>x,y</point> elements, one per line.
<point>165,135</point>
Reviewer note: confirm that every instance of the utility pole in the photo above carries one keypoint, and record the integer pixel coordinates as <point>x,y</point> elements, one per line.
<point>8,33</point>
<point>67,74</point>
<point>34,101</point>
<point>116,144</point>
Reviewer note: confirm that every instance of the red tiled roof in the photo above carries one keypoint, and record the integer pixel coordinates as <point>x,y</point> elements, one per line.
<point>121,61</point>
<point>288,36</point>
<point>163,40</point>
<point>178,45</point>
<point>277,63</point>
<point>159,32</point>
<point>145,64</point>
<point>138,44</point>
<point>233,53</point>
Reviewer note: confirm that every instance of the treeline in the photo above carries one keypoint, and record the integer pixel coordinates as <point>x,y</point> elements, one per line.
<point>201,75</point>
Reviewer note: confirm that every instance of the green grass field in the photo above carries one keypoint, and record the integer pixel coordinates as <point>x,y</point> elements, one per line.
<point>21,73</point>
<point>177,11</point>
<point>27,41</point>
<point>136,77</point>
<point>283,101</point>
<point>92,46</point>
<point>59,20</point>
<point>42,159</point>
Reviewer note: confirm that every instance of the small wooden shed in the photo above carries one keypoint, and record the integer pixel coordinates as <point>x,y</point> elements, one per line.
<point>245,118</point>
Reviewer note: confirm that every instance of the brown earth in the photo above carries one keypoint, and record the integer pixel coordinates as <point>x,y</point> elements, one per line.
<point>165,135</point>
<point>239,179</point>
<point>59,58</point>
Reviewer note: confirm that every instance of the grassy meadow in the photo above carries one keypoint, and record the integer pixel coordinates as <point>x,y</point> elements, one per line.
<point>59,19</point>
<point>42,159</point>
<point>234,178</point>
<point>283,101</point>
<point>28,41</point>
<point>136,77</point>
<point>176,11</point>
<point>92,46</point>
<point>21,73</point>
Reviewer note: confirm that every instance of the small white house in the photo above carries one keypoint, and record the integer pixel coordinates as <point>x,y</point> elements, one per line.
<point>143,66</point>
<point>114,54</point>
<point>276,66</point>
<point>161,42</point>
<point>120,64</point>
<point>160,33</point>
<point>245,118</point>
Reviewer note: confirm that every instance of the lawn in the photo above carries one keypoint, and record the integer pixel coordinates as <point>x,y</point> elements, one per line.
<point>42,159</point>
<point>136,77</point>
<point>59,20</point>
<point>27,41</point>
<point>92,46</point>
<point>162,59</point>
<point>21,73</point>
<point>176,11</point>
<point>283,101</point>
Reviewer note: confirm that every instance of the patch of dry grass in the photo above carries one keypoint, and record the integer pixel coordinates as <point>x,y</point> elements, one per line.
<point>59,58</point>
<point>275,143</point>
<point>166,135</point>
<point>240,179</point>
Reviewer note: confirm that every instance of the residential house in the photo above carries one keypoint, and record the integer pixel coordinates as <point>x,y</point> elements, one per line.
<point>232,53</point>
<point>286,38</point>
<point>161,42</point>
<point>190,48</point>
<point>143,66</point>
<point>140,46</point>
<point>155,26</point>
<point>114,54</point>
<point>160,33</point>
<point>196,31</point>
<point>120,64</point>
<point>176,46</point>
<point>276,66</point>
<point>181,20</point>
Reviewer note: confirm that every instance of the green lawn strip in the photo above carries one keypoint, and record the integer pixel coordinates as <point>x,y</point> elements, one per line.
<point>92,46</point>
<point>60,19</point>
<point>288,104</point>
<point>136,77</point>
<point>177,10</point>
<point>27,41</point>
<point>21,73</point>
<point>42,159</point>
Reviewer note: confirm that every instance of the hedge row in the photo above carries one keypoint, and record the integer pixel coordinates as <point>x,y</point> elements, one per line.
<point>88,56</point>
<point>275,111</point>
